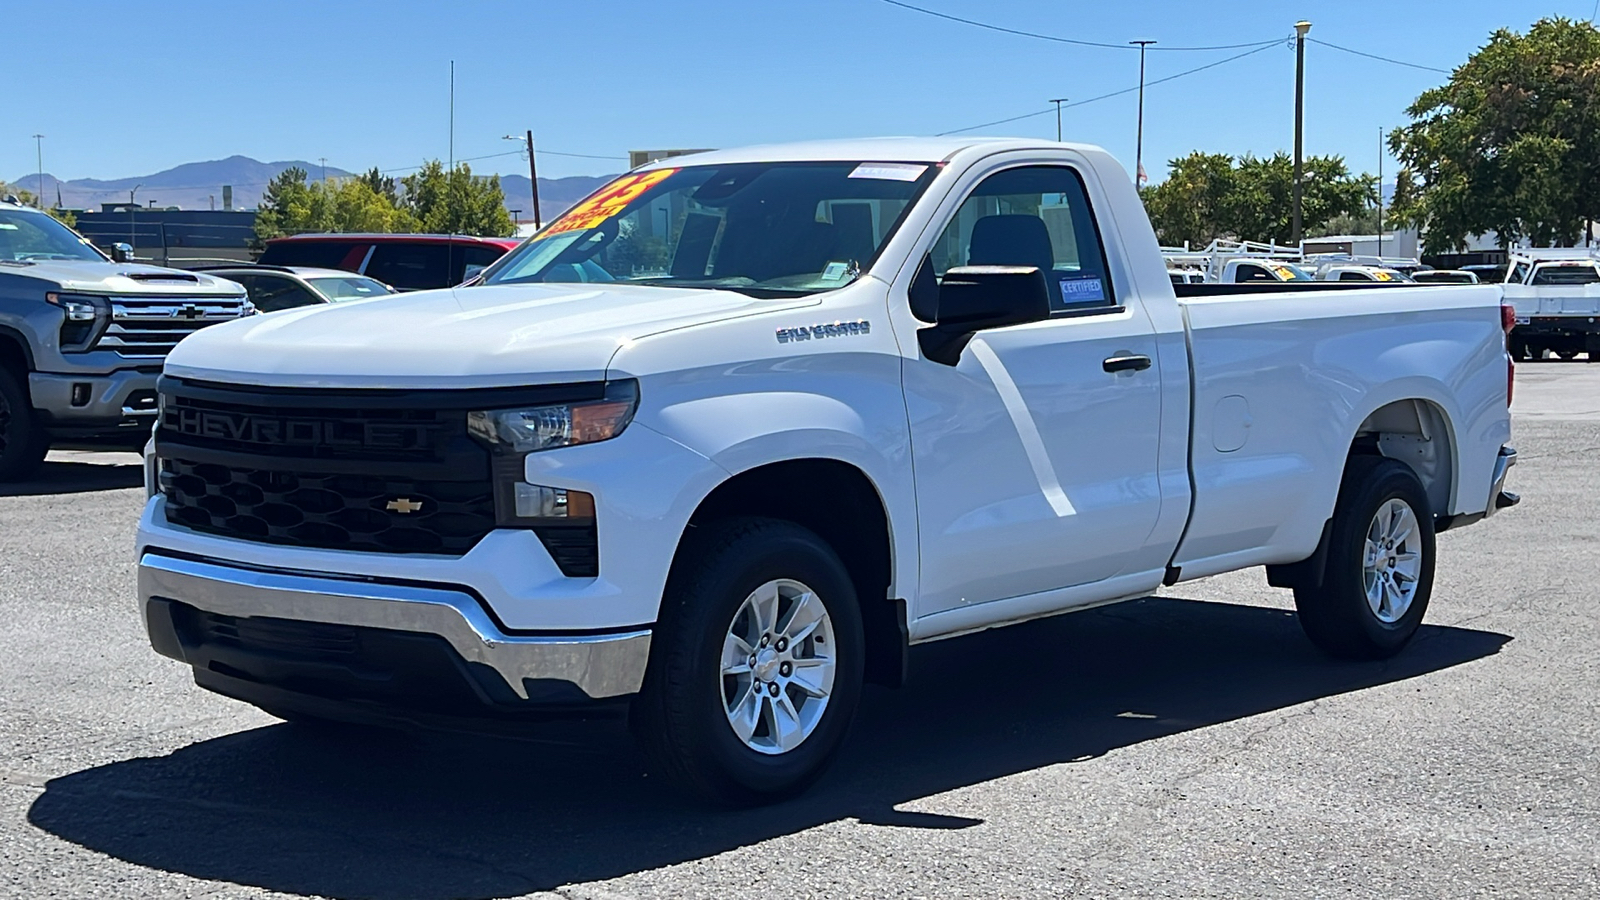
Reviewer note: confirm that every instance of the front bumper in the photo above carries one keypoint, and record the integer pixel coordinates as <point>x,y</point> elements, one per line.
<point>509,669</point>
<point>118,402</point>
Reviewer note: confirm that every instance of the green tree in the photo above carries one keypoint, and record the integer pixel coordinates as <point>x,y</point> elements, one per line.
<point>1210,195</point>
<point>357,207</point>
<point>1187,207</point>
<point>382,185</point>
<point>1510,144</point>
<point>288,206</point>
<point>293,205</point>
<point>457,202</point>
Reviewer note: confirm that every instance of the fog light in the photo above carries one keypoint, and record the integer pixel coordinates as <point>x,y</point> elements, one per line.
<point>80,393</point>
<point>534,501</point>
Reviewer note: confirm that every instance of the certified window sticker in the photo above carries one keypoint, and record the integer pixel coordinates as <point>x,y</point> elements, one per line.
<point>1080,290</point>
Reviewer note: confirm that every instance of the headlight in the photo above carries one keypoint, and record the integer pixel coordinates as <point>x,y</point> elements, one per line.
<point>82,315</point>
<point>531,429</point>
<point>563,519</point>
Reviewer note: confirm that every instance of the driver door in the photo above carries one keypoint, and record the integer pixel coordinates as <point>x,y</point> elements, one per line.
<point>1035,456</point>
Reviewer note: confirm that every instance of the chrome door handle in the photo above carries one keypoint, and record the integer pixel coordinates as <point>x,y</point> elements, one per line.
<point>1126,364</point>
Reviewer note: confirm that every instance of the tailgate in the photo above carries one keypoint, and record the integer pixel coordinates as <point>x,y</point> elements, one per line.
<point>1554,300</point>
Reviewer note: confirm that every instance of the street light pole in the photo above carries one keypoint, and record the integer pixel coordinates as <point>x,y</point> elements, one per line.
<point>132,207</point>
<point>38,145</point>
<point>1058,103</point>
<point>1300,29</point>
<point>1138,146</point>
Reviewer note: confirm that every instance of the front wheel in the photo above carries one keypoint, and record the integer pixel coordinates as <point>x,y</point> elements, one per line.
<point>1380,559</point>
<point>23,442</point>
<point>756,664</point>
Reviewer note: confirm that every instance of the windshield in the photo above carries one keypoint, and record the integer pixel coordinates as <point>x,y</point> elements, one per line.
<point>26,235</point>
<point>766,229</point>
<point>349,287</point>
<point>1566,275</point>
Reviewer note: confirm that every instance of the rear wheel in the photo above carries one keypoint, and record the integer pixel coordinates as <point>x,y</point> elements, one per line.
<point>1380,560</point>
<point>756,663</point>
<point>23,442</point>
<point>1518,348</point>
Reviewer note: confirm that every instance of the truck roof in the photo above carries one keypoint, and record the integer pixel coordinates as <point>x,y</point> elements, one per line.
<point>887,149</point>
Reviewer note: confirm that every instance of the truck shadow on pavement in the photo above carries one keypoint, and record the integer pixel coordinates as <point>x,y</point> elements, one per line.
<point>76,478</point>
<point>414,816</point>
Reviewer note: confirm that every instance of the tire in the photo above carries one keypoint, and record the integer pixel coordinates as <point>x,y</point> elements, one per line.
<point>725,575</point>
<point>1567,354</point>
<point>1339,616</point>
<point>23,442</point>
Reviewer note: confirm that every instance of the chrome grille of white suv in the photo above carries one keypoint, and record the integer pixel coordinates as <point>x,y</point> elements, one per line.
<point>153,326</point>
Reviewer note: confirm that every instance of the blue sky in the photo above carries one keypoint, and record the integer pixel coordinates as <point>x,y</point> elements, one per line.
<point>124,89</point>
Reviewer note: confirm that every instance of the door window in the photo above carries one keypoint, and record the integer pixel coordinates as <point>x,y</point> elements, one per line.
<point>271,293</point>
<point>1032,216</point>
<point>411,267</point>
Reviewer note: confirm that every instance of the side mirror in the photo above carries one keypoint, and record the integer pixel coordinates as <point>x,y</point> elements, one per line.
<point>978,298</point>
<point>121,252</point>
<point>470,274</point>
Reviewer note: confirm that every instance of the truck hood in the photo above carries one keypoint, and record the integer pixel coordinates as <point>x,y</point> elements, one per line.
<point>456,337</point>
<point>96,277</point>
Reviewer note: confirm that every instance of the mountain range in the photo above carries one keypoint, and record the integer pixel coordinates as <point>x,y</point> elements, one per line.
<point>198,185</point>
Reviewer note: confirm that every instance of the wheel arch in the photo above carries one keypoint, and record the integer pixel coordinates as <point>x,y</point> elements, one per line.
<point>15,356</point>
<point>841,504</point>
<point>1419,432</point>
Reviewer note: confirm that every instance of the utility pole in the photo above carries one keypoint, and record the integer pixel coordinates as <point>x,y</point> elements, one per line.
<point>1380,192</point>
<point>324,161</point>
<point>533,177</point>
<point>38,145</point>
<point>1300,29</point>
<point>1058,103</point>
<point>1138,146</point>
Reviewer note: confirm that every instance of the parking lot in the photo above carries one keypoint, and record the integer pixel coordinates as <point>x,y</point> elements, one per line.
<point>1187,745</point>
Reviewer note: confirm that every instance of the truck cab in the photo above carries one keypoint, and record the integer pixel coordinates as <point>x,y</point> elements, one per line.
<point>82,338</point>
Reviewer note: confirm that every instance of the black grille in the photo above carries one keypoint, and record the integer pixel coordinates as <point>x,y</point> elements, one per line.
<point>388,471</point>
<point>390,514</point>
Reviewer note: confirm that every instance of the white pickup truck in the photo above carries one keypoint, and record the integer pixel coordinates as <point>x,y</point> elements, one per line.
<point>1556,296</point>
<point>717,445</point>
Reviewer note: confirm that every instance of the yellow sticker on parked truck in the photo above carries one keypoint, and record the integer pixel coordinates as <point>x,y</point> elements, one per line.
<point>607,202</point>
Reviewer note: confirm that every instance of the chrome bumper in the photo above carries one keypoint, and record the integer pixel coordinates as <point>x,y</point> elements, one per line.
<point>601,666</point>
<point>1499,497</point>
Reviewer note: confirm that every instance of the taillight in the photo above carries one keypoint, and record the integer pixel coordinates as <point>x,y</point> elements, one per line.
<point>1508,320</point>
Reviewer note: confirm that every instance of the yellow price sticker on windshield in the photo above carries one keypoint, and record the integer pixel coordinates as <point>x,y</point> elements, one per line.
<point>1285,274</point>
<point>607,202</point>
<point>1382,276</point>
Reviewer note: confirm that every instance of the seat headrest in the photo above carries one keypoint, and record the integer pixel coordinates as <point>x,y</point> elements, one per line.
<point>1011,240</point>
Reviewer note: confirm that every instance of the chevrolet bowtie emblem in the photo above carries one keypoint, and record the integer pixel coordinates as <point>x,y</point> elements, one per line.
<point>403,505</point>
<point>189,311</point>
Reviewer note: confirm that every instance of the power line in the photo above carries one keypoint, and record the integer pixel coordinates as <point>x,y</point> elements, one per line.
<point>1148,84</point>
<point>1060,40</point>
<point>1398,62</point>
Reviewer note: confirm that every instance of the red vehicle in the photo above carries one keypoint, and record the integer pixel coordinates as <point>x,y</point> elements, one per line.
<point>410,262</point>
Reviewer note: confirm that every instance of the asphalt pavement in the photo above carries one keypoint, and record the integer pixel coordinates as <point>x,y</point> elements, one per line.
<point>1188,745</point>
